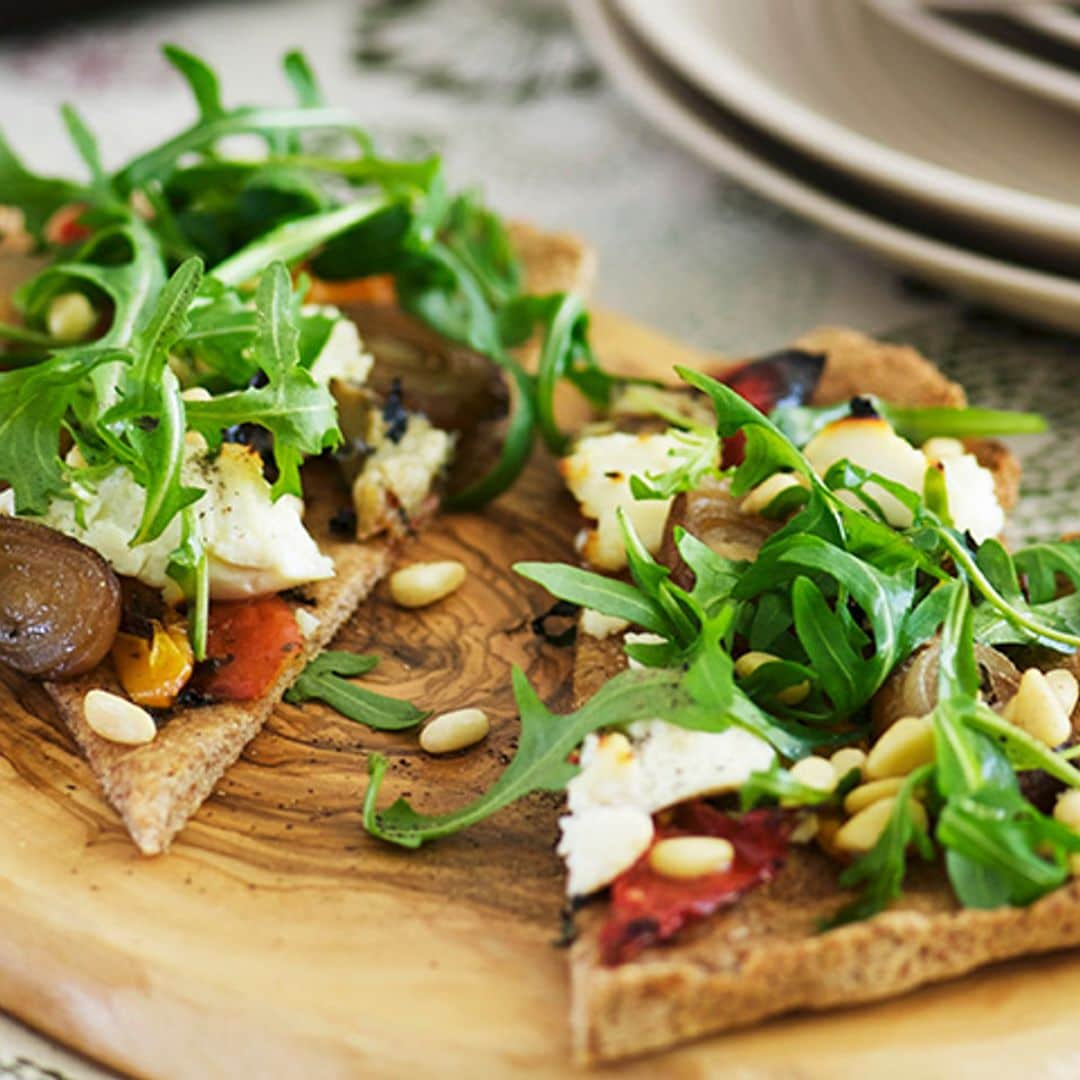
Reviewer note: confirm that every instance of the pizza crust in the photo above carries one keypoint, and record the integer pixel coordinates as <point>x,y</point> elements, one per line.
<point>765,955</point>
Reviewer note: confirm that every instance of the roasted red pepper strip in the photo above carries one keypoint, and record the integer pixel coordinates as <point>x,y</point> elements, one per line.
<point>647,908</point>
<point>247,644</point>
<point>784,378</point>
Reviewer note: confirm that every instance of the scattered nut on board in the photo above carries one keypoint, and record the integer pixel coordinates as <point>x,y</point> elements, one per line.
<point>424,583</point>
<point>454,731</point>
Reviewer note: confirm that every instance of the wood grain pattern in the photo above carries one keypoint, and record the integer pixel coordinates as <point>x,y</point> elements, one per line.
<point>278,940</point>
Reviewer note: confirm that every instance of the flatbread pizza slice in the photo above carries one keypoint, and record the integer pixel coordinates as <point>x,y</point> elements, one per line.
<point>760,950</point>
<point>157,786</point>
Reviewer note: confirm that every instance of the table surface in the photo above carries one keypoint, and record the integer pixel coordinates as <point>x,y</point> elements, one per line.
<point>508,95</point>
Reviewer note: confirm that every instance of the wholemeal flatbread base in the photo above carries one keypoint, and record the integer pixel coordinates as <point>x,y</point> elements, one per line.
<point>765,956</point>
<point>155,788</point>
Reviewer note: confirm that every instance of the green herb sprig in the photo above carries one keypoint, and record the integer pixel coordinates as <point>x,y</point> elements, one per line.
<point>326,679</point>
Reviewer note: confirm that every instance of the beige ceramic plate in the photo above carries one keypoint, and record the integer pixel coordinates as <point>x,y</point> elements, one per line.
<point>838,82</point>
<point>1058,21</point>
<point>728,146</point>
<point>999,61</point>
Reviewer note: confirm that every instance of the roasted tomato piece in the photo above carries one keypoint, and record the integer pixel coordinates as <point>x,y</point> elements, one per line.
<point>788,377</point>
<point>647,908</point>
<point>247,644</point>
<point>64,228</point>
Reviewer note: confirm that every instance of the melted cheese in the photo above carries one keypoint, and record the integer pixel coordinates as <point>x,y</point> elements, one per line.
<point>254,545</point>
<point>399,476</point>
<point>598,475</point>
<point>342,356</point>
<point>872,444</point>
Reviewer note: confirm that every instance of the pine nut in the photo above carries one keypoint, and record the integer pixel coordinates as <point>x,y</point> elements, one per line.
<point>757,499</point>
<point>908,744</point>
<point>117,719</point>
<point>1067,809</point>
<point>1063,683</point>
<point>70,318</point>
<point>424,583</point>
<point>454,731</point>
<point>691,856</point>
<point>749,662</point>
<point>867,794</point>
<point>864,830</point>
<point>846,759</point>
<point>815,772</point>
<point>1038,710</point>
<point>806,828</point>
<point>1074,864</point>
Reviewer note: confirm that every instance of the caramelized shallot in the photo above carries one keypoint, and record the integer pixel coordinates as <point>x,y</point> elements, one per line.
<point>912,689</point>
<point>59,602</point>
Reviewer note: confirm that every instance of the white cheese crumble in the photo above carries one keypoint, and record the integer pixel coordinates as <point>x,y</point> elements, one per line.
<point>872,444</point>
<point>307,623</point>
<point>625,779</point>
<point>254,545</point>
<point>398,477</point>
<point>342,356</point>
<point>598,475</point>
<point>597,625</point>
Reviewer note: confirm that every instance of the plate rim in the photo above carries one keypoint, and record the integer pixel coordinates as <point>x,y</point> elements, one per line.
<point>1053,20</point>
<point>1042,296</point>
<point>1029,73</point>
<point>722,76</point>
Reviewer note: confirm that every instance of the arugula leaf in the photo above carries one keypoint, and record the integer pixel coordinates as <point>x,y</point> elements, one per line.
<point>151,411</point>
<point>323,680</point>
<point>831,656</point>
<point>38,197</point>
<point>541,760</point>
<point>292,406</point>
<point>696,457</point>
<point>767,448</point>
<point>777,785</point>
<point>293,239</point>
<point>1004,838</point>
<point>1042,563</point>
<point>917,424</point>
<point>88,150</point>
<point>1025,618</point>
<point>34,402</point>
<point>565,354</point>
<point>607,595</point>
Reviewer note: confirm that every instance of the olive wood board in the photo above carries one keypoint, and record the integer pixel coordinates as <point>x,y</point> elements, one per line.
<point>279,940</point>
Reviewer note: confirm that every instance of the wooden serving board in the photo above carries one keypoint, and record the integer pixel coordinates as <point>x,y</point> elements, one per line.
<point>278,940</point>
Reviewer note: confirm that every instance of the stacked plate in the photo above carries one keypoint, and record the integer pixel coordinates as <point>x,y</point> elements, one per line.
<point>944,139</point>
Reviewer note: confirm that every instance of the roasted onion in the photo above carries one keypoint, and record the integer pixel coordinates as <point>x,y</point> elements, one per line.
<point>59,602</point>
<point>713,516</point>
<point>912,689</point>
